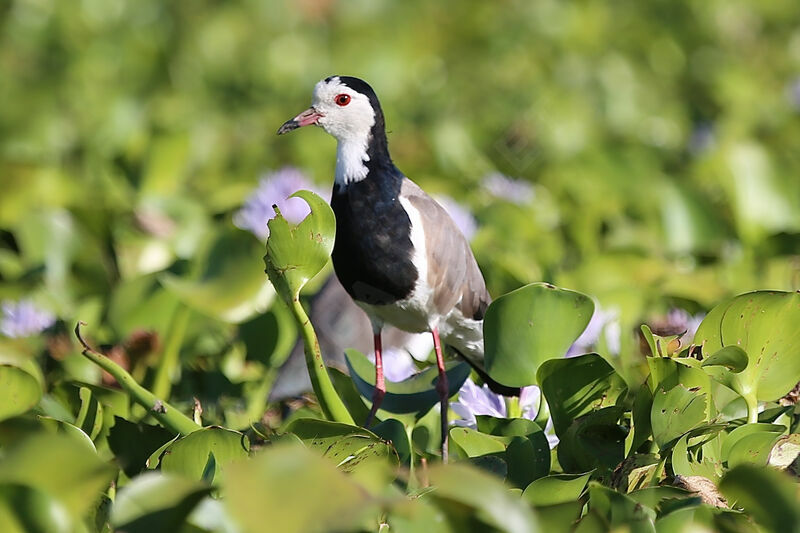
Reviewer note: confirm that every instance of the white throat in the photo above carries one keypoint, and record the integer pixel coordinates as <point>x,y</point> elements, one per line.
<point>351,156</point>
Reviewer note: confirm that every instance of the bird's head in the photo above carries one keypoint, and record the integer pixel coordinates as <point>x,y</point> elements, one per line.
<point>345,107</point>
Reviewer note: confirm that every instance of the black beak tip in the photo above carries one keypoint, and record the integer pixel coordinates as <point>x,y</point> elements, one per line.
<point>288,126</point>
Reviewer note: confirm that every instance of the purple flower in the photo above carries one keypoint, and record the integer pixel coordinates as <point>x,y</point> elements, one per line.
<point>681,320</point>
<point>460,215</point>
<point>474,400</point>
<point>397,364</point>
<point>24,319</point>
<point>275,188</point>
<point>702,138</point>
<point>602,321</point>
<point>516,191</point>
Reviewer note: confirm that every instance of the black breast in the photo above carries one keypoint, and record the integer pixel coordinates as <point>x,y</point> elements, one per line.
<point>372,252</point>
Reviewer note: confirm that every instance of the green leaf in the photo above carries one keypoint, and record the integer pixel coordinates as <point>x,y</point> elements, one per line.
<point>60,466</point>
<point>731,357</point>
<point>527,449</point>
<point>593,441</point>
<point>189,455</point>
<point>65,428</point>
<point>577,386</point>
<point>25,509</point>
<point>700,458</point>
<point>750,443</point>
<point>530,325</point>
<point>156,502</point>
<point>675,412</point>
<point>19,391</point>
<point>296,254</point>
<point>768,495</point>
<point>764,325</point>
<point>474,443</point>
<point>90,414</point>
<point>293,490</point>
<point>393,431</point>
<point>621,511</point>
<point>555,489</point>
<point>133,444</point>
<point>416,394</point>
<point>231,286</point>
<point>484,493</point>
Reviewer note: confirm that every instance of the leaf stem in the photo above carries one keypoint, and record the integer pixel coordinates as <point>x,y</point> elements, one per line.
<point>169,417</point>
<point>752,408</point>
<point>168,362</point>
<point>329,400</point>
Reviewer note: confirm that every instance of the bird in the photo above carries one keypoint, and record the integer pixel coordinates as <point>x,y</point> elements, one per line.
<point>397,252</point>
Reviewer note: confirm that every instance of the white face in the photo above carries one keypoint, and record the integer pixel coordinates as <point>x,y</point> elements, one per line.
<point>347,114</point>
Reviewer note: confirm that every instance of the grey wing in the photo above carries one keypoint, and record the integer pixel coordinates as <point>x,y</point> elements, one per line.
<point>453,272</point>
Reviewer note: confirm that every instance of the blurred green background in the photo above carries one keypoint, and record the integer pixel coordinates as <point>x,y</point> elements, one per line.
<point>661,140</point>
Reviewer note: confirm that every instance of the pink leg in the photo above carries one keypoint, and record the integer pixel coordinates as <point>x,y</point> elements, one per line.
<point>442,389</point>
<point>380,383</point>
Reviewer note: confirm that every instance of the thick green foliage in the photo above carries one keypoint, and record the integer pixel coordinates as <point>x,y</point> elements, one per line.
<point>659,142</point>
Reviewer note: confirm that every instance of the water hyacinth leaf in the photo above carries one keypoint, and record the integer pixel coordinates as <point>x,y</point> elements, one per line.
<point>20,391</point>
<point>731,357</point>
<point>620,510</point>
<point>189,455</point>
<point>786,453</point>
<point>356,453</point>
<point>763,324</point>
<point>419,515</point>
<point>60,466</point>
<point>65,428</point>
<point>593,441</point>
<point>528,326</point>
<point>555,489</point>
<point>750,443</point>
<point>641,429</point>
<point>698,460</point>
<point>231,286</point>
<point>491,500</point>
<point>297,254</point>
<point>156,502</point>
<point>393,431</point>
<point>527,449</point>
<point>25,509</point>
<point>577,386</point>
<point>351,397</point>
<point>474,443</point>
<point>296,491</point>
<point>133,443</point>
<point>560,517</point>
<point>90,414</point>
<point>416,394</point>
<point>675,412</point>
<point>493,464</point>
<point>637,471</point>
<point>320,434</point>
<point>768,495</point>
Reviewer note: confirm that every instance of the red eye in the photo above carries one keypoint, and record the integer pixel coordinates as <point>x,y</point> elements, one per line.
<point>342,99</point>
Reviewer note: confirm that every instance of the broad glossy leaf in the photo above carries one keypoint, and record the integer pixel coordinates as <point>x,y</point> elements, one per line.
<point>416,394</point>
<point>577,386</point>
<point>19,391</point>
<point>60,466</point>
<point>560,517</point>
<point>593,441</point>
<point>675,412</point>
<point>320,434</point>
<point>90,415</point>
<point>474,443</point>
<point>764,325</point>
<point>25,509</point>
<point>768,495</point>
<point>133,444</point>
<point>701,459</point>
<point>294,490</point>
<point>750,443</point>
<point>785,452</point>
<point>231,287</point>
<point>393,431</point>
<point>731,357</point>
<point>189,455</point>
<point>487,495</point>
<point>65,428</point>
<point>557,488</point>
<point>156,502</point>
<point>620,510</point>
<point>530,325</point>
<point>297,254</point>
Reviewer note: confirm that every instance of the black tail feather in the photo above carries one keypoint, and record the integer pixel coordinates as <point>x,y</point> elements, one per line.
<point>494,386</point>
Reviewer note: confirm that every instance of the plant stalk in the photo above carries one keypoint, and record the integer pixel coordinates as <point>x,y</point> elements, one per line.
<point>169,417</point>
<point>170,357</point>
<point>332,406</point>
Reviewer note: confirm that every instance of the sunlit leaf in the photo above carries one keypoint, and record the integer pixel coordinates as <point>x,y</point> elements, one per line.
<point>528,326</point>
<point>189,455</point>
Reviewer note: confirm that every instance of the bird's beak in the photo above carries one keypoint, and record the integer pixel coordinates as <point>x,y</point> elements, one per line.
<point>309,116</point>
